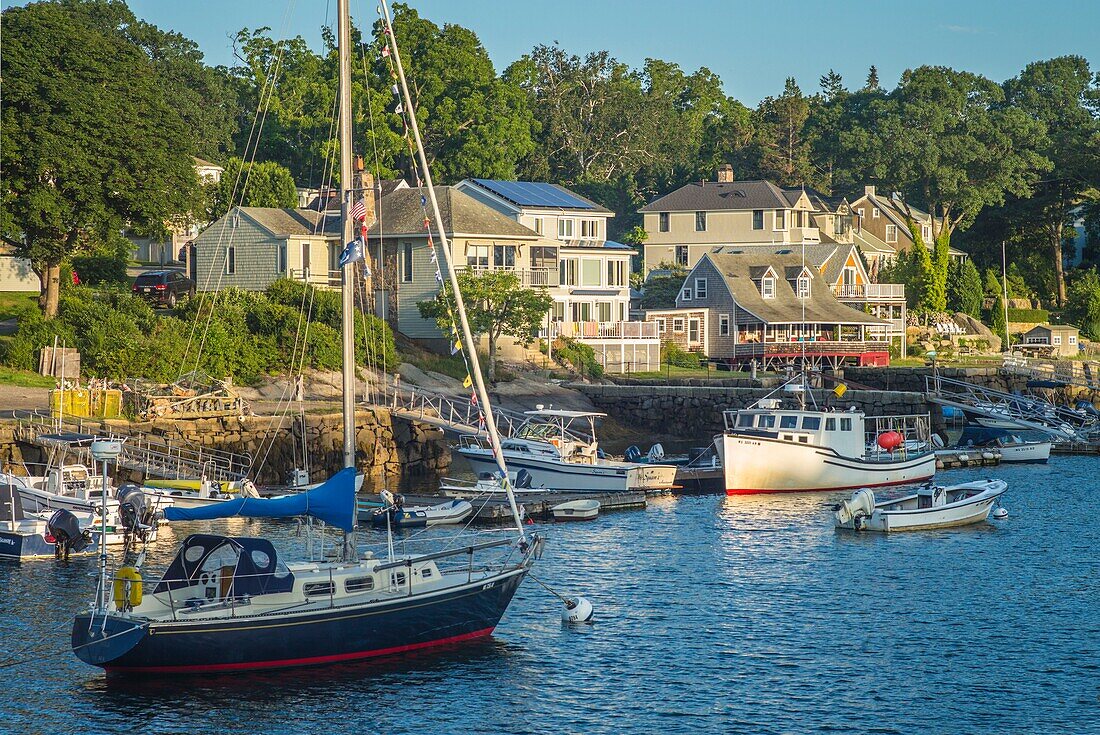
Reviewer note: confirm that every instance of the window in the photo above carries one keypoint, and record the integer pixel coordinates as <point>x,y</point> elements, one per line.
<point>359,584</point>
<point>477,256</point>
<point>767,421</point>
<point>803,287</point>
<point>788,422</point>
<point>425,572</point>
<point>744,420</point>
<point>590,272</point>
<point>537,225</point>
<point>565,228</point>
<point>891,233</point>
<point>235,221</point>
<point>686,293</point>
<point>758,219</point>
<point>305,257</point>
<point>700,288</point>
<point>544,257</point>
<point>681,255</point>
<point>1056,339</point>
<point>780,219</point>
<point>582,311</point>
<point>660,325</point>
<point>830,424</point>
<point>280,258</point>
<point>230,260</point>
<point>723,325</point>
<point>874,213</point>
<point>767,287</point>
<point>861,212</point>
<point>662,220</point>
<point>700,221</point>
<point>407,262</point>
<point>557,311</point>
<point>677,325</point>
<point>616,273</point>
<point>926,232</point>
<point>397,579</point>
<point>504,256</point>
<point>590,229</point>
<point>603,311</point>
<point>811,423</point>
<point>567,272</point>
<point>1072,340</point>
<point>846,424</point>
<point>314,589</point>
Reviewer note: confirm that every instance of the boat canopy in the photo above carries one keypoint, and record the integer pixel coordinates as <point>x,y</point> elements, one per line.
<point>256,571</point>
<point>559,414</point>
<point>69,438</point>
<point>333,502</point>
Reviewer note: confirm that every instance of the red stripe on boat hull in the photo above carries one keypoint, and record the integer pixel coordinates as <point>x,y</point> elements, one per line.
<point>291,662</point>
<point>760,491</point>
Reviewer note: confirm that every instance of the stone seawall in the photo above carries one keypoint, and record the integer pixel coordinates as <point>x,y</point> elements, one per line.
<point>389,449</point>
<point>695,413</point>
<point>913,379</point>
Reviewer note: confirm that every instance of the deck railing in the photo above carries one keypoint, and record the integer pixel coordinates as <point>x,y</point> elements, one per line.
<point>530,277</point>
<point>316,277</point>
<point>752,349</point>
<point>629,330</point>
<point>870,291</point>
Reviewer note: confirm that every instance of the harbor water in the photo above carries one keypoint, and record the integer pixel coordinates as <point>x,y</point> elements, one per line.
<point>713,615</point>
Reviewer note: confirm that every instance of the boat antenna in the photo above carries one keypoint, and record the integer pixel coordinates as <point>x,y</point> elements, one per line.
<point>445,248</point>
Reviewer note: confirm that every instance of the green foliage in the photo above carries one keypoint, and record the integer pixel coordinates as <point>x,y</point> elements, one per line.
<point>1028,315</point>
<point>781,146</point>
<point>964,288</point>
<point>675,355</point>
<point>580,356</point>
<point>660,292</point>
<point>1000,327</point>
<point>265,184</point>
<point>991,284</point>
<point>1083,303</point>
<point>94,270</point>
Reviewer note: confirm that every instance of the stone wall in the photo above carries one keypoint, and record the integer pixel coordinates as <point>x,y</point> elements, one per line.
<point>695,412</point>
<point>913,379</point>
<point>389,450</point>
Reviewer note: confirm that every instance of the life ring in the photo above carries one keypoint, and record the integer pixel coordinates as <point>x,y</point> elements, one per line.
<point>127,577</point>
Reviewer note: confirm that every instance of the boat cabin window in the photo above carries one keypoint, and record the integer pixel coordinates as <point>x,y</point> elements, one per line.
<point>811,423</point>
<point>788,422</point>
<point>804,439</point>
<point>397,579</point>
<point>830,424</point>
<point>745,420</point>
<point>359,584</point>
<point>425,572</point>
<point>315,589</point>
<point>845,424</point>
<point>767,421</point>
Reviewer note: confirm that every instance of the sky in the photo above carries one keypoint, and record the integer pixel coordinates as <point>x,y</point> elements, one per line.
<point>752,45</point>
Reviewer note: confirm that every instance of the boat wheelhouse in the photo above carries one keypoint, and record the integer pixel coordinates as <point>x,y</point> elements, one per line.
<point>768,449</point>
<point>560,451</point>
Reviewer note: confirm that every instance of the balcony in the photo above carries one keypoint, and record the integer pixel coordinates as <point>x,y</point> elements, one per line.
<point>795,348</point>
<point>530,277</point>
<point>870,292</point>
<point>805,234</point>
<point>598,331</point>
<point>319,278</point>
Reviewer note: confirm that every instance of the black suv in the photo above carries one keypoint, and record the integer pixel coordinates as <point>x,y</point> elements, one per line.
<point>163,288</point>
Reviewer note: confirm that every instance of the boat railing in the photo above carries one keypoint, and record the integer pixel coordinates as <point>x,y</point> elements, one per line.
<point>915,431</point>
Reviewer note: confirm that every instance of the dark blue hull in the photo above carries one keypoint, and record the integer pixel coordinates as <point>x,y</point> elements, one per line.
<point>24,546</point>
<point>330,635</point>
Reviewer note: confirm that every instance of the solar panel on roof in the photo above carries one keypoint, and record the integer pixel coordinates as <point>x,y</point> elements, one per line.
<point>534,194</point>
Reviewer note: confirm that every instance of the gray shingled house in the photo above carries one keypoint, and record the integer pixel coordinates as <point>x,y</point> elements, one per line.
<point>772,308</point>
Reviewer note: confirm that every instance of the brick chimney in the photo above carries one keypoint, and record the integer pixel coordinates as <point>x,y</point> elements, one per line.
<point>725,174</point>
<point>365,184</point>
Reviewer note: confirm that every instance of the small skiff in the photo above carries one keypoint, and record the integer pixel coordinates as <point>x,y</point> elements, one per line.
<point>576,510</point>
<point>449,513</point>
<point>932,506</point>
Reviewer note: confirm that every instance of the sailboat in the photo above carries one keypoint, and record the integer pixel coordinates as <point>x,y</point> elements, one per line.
<point>233,604</point>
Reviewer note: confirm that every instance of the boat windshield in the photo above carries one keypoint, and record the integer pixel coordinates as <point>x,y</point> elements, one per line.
<point>543,432</point>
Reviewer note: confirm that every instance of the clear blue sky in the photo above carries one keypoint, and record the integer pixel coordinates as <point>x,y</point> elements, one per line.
<point>752,45</point>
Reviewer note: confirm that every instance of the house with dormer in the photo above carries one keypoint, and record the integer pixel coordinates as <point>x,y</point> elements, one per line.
<point>771,308</point>
<point>884,218</point>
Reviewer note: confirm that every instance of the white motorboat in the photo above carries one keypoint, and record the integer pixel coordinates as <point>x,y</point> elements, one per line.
<point>560,451</point>
<point>488,484</point>
<point>197,493</point>
<point>932,506</point>
<point>576,510</point>
<point>768,449</point>
<point>1015,449</point>
<point>59,533</point>
<point>418,516</point>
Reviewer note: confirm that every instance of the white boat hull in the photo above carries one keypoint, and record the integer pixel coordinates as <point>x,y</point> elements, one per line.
<point>754,464</point>
<point>577,510</point>
<point>1029,452</point>
<point>553,473</point>
<point>39,501</point>
<point>974,503</point>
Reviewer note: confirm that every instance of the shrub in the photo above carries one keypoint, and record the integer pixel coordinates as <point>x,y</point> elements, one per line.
<point>1028,315</point>
<point>673,354</point>
<point>95,270</point>
<point>581,356</point>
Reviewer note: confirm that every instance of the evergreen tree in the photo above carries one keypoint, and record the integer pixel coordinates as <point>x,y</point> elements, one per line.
<point>1000,327</point>
<point>970,290</point>
<point>832,85</point>
<point>872,80</point>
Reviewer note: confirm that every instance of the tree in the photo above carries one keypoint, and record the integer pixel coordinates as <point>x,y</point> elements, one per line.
<point>660,291</point>
<point>832,85</point>
<point>872,84</point>
<point>497,305</point>
<point>1000,326</point>
<point>780,137</point>
<point>91,143</point>
<point>964,288</point>
<point>1064,97</point>
<point>264,184</point>
<point>1083,303</point>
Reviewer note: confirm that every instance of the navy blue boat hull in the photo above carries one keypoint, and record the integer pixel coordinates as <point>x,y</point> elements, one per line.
<point>348,633</point>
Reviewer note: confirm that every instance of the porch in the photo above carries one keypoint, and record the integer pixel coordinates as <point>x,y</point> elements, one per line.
<point>620,347</point>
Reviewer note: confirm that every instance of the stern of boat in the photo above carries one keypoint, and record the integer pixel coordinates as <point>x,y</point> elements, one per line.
<point>101,640</point>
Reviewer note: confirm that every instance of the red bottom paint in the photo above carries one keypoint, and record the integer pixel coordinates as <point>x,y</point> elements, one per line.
<point>290,662</point>
<point>752,491</point>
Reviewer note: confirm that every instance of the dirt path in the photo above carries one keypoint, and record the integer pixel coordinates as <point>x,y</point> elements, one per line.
<point>15,398</point>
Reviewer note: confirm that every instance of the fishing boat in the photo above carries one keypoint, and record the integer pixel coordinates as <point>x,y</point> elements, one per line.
<point>234,604</point>
<point>560,451</point>
<point>28,536</point>
<point>400,515</point>
<point>774,447</point>
<point>64,483</point>
<point>576,510</point>
<point>1010,446</point>
<point>931,506</point>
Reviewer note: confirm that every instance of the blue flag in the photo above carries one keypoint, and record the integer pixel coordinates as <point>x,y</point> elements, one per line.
<point>353,252</point>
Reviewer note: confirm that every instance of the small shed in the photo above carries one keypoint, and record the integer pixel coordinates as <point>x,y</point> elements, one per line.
<point>1062,339</point>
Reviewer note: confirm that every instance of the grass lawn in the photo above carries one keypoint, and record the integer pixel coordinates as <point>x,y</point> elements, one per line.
<point>672,371</point>
<point>24,378</point>
<point>16,303</point>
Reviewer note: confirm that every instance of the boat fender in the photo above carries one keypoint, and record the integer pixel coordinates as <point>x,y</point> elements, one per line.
<point>127,588</point>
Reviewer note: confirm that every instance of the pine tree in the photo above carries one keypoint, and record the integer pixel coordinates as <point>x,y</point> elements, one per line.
<point>872,80</point>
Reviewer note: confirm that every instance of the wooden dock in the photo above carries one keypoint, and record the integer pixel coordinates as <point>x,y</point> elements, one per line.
<point>495,511</point>
<point>950,459</point>
<point>1075,448</point>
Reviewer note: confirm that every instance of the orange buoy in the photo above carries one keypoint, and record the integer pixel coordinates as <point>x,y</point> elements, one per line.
<point>890,440</point>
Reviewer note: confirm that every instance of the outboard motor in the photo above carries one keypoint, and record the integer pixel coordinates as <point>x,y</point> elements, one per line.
<point>523,480</point>
<point>632,454</point>
<point>67,535</point>
<point>859,506</point>
<point>133,511</point>
<point>656,453</point>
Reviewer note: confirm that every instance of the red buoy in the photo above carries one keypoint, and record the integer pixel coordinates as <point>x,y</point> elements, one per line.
<point>890,440</point>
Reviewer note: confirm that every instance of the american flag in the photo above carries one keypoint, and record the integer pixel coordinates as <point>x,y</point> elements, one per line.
<point>359,210</point>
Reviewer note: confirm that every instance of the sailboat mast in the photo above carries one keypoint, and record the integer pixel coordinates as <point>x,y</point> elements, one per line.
<point>445,246</point>
<point>347,231</point>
